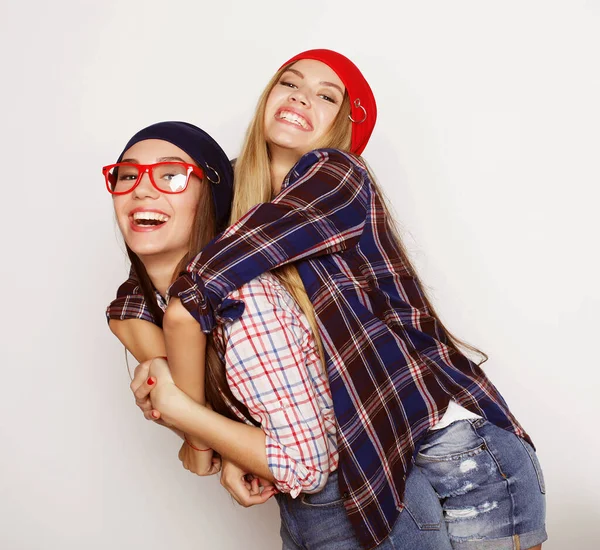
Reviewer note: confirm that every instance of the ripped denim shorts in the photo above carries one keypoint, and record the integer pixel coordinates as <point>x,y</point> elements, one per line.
<point>489,483</point>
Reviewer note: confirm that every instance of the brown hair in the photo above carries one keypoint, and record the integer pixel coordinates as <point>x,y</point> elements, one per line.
<point>203,231</point>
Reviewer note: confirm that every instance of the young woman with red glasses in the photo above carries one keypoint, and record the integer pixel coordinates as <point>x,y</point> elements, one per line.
<point>409,404</point>
<point>172,188</point>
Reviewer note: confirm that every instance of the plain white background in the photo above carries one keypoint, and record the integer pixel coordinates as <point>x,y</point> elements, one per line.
<point>487,145</point>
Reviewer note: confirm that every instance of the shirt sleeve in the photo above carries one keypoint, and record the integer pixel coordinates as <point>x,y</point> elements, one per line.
<point>269,353</point>
<point>322,209</point>
<point>129,303</point>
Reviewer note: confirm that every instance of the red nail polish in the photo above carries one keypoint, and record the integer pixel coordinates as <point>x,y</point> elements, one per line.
<point>150,381</point>
<point>154,414</point>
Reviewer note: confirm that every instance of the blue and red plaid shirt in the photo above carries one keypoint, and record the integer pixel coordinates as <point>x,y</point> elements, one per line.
<point>391,367</point>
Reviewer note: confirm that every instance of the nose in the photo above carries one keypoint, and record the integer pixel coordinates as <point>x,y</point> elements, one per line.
<point>145,189</point>
<point>298,96</point>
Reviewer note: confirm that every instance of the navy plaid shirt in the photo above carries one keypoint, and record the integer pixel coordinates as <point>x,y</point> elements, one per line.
<point>391,367</point>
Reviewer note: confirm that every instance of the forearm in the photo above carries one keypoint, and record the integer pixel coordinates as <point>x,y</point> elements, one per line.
<point>186,351</point>
<point>241,444</point>
<point>144,340</point>
<point>302,222</point>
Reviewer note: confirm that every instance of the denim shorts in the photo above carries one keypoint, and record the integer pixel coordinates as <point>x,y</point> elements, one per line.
<point>474,486</point>
<point>489,483</point>
<point>319,521</point>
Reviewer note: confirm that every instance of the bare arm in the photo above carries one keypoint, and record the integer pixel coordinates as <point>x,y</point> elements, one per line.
<point>186,350</point>
<point>143,339</point>
<point>241,444</point>
<point>184,344</point>
<point>181,341</point>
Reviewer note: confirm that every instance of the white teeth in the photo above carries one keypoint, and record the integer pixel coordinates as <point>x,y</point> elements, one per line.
<point>294,118</point>
<point>155,216</point>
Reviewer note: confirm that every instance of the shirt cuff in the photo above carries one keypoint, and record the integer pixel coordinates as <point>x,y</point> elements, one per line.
<point>292,477</point>
<point>129,307</point>
<point>190,289</point>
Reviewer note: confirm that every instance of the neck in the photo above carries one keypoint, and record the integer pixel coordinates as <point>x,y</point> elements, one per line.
<point>282,161</point>
<point>161,270</point>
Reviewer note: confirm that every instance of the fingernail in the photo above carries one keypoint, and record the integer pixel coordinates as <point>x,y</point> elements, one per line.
<point>150,381</point>
<point>154,414</point>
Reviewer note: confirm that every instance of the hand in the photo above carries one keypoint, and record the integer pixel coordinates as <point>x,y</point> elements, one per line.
<point>164,394</point>
<point>142,397</point>
<point>247,489</point>
<point>153,388</point>
<point>201,463</point>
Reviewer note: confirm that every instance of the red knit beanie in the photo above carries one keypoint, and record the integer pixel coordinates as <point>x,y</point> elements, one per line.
<point>362,100</point>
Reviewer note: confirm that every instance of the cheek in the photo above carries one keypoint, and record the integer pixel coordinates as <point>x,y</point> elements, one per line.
<point>329,119</point>
<point>185,207</point>
<point>119,205</point>
<point>275,98</point>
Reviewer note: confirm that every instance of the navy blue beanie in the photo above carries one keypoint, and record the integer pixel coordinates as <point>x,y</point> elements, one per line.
<point>207,154</point>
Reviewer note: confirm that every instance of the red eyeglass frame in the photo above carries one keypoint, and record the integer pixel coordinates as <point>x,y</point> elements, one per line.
<point>147,169</point>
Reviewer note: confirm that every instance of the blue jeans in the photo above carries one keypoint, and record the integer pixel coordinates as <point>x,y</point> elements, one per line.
<point>474,486</point>
<point>490,484</point>
<point>319,521</point>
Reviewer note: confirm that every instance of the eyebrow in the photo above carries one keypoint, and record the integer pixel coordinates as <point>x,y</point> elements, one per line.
<point>168,159</point>
<point>161,159</point>
<point>323,82</point>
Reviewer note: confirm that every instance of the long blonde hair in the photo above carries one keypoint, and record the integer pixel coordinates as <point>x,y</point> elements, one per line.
<point>253,185</point>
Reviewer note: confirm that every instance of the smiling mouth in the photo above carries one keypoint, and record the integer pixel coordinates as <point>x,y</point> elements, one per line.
<point>149,219</point>
<point>293,118</point>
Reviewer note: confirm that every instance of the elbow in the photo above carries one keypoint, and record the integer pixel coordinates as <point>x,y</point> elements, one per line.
<point>120,330</point>
<point>114,327</point>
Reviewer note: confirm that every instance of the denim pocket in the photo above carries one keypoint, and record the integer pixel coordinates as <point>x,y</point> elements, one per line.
<point>421,502</point>
<point>326,498</point>
<point>536,464</point>
<point>314,502</point>
<point>455,442</point>
<point>423,457</point>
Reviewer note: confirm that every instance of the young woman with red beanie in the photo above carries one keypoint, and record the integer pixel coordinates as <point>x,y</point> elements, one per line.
<point>427,453</point>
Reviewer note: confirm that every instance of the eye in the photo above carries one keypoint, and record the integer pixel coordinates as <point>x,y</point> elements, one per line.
<point>127,177</point>
<point>328,98</point>
<point>287,84</point>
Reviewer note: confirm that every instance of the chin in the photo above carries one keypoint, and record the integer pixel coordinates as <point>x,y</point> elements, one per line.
<point>147,251</point>
<point>289,140</point>
<point>145,247</point>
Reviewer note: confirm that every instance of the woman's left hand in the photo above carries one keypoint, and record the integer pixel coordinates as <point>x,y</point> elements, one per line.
<point>141,393</point>
<point>154,389</point>
<point>246,493</point>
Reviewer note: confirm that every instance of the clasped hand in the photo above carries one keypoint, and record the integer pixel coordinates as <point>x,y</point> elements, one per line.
<point>151,381</point>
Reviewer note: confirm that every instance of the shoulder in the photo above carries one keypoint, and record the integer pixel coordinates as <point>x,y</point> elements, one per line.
<point>129,287</point>
<point>329,160</point>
